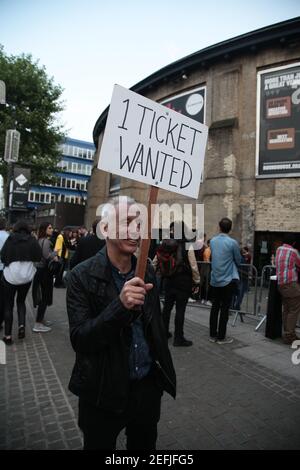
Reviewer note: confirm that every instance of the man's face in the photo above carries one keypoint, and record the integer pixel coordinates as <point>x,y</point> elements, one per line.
<point>127,232</point>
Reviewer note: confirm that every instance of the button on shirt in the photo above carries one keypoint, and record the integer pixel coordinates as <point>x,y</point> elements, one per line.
<point>225,259</point>
<point>140,360</point>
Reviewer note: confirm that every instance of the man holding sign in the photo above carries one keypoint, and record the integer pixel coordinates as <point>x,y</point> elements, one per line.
<point>123,363</point>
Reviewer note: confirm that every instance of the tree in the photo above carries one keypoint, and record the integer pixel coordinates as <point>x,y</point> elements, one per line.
<point>33,101</point>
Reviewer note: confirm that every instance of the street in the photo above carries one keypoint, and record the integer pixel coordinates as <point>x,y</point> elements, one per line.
<point>243,395</point>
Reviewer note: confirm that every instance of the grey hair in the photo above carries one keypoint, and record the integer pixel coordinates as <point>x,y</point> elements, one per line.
<point>115,201</point>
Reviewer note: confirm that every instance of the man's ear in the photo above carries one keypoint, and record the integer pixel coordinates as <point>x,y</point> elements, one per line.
<point>102,230</point>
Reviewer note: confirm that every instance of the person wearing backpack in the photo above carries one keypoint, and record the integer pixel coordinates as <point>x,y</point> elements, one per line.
<point>178,268</point>
<point>19,253</point>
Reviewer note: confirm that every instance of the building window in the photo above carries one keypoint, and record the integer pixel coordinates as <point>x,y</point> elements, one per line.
<point>114,184</point>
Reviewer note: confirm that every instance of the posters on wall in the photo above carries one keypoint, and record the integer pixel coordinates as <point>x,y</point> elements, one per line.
<point>278,122</point>
<point>189,103</point>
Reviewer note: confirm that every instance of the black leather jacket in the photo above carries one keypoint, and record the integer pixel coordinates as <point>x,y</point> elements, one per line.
<point>100,334</point>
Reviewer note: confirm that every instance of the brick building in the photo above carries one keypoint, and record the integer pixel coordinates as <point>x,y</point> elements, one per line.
<point>247,91</point>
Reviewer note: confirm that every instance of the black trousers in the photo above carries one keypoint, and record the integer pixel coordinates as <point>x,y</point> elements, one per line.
<point>222,297</point>
<point>10,290</point>
<point>59,277</point>
<point>172,296</point>
<point>101,428</point>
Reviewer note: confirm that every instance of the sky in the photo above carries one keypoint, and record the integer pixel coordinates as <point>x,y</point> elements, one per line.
<point>89,45</point>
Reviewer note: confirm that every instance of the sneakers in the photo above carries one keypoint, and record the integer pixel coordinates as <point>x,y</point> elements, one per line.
<point>225,341</point>
<point>208,302</point>
<point>191,300</point>
<point>40,328</point>
<point>212,339</point>
<point>182,342</point>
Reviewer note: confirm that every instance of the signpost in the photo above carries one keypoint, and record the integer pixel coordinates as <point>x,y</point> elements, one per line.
<point>150,143</point>
<point>20,189</point>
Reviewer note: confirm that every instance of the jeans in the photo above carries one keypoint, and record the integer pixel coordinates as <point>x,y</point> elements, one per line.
<point>10,290</point>
<point>222,297</point>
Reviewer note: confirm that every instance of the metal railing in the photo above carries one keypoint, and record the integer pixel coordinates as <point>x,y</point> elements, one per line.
<point>255,291</point>
<point>262,303</point>
<point>244,299</point>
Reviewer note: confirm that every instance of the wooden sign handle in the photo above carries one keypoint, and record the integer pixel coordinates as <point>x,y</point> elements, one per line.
<point>145,242</point>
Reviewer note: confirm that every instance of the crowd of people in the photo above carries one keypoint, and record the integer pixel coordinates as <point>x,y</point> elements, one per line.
<point>117,327</point>
<point>39,259</point>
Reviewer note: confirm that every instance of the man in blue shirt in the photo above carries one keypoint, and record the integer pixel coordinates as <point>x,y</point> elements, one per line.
<point>226,258</point>
<point>3,237</point>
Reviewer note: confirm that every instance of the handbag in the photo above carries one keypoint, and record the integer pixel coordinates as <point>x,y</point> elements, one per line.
<point>54,266</point>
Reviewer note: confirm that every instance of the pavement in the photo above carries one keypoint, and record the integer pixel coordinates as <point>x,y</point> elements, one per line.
<point>241,396</point>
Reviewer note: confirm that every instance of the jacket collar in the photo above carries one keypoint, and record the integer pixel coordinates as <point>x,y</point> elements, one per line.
<point>101,267</point>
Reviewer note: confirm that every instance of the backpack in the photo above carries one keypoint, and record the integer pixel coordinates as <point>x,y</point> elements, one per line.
<point>169,257</point>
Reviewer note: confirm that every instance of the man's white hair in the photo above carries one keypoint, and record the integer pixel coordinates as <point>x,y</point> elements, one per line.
<point>108,214</point>
<point>114,202</point>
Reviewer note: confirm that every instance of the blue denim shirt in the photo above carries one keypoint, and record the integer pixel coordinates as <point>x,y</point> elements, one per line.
<point>225,259</point>
<point>140,360</point>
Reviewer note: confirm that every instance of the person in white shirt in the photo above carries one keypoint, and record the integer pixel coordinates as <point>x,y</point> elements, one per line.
<point>18,255</point>
<point>3,237</point>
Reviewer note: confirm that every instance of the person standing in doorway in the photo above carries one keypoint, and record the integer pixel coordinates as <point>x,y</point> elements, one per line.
<point>226,258</point>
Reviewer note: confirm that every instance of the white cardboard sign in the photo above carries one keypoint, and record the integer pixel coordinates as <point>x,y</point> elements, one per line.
<point>150,143</point>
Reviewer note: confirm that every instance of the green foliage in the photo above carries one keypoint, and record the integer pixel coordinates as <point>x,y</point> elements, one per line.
<point>33,101</point>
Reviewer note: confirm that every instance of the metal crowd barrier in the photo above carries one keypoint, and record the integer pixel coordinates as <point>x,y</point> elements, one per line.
<point>267,271</point>
<point>248,284</point>
<point>256,290</point>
